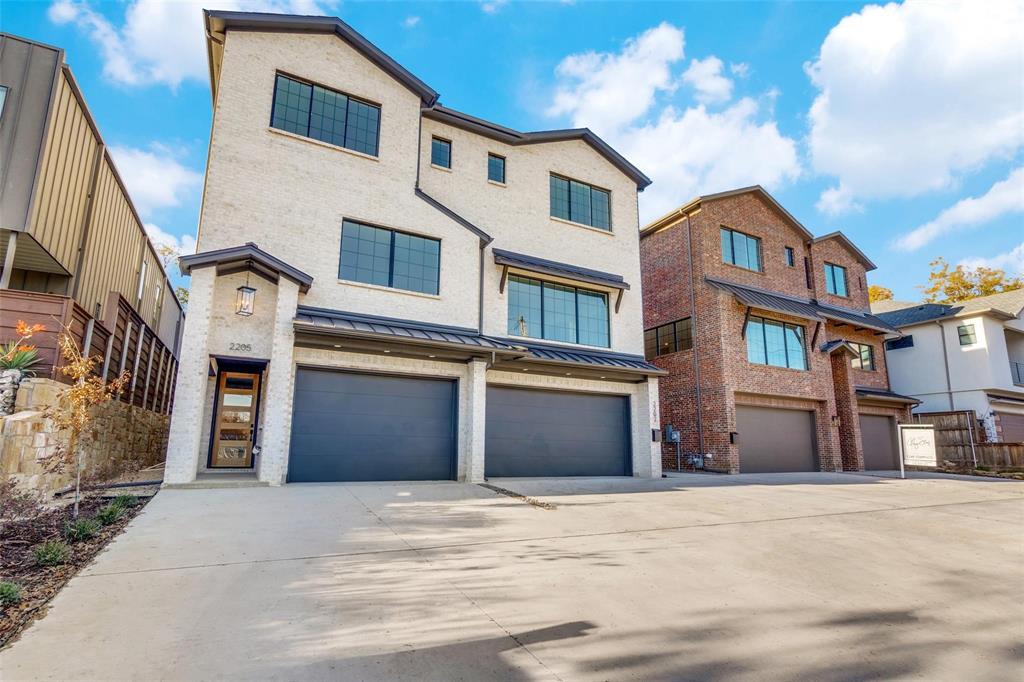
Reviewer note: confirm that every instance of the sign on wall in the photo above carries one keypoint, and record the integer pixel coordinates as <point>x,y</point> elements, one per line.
<point>917,446</point>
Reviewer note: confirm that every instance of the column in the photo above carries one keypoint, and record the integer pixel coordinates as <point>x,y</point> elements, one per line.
<point>471,456</point>
<point>276,430</point>
<point>183,444</point>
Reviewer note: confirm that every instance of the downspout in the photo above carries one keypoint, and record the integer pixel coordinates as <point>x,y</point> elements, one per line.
<point>945,362</point>
<point>696,336</point>
<point>480,298</point>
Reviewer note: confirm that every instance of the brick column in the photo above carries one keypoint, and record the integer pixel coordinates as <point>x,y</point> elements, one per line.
<point>850,446</point>
<point>646,452</point>
<point>471,455</point>
<point>275,433</point>
<point>183,444</point>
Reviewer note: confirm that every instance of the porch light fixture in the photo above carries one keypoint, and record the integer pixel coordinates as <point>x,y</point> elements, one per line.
<point>245,300</point>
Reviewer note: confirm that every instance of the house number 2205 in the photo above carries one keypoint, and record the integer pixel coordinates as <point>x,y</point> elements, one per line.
<point>240,346</point>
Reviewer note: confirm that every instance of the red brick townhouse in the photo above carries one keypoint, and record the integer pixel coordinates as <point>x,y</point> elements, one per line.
<point>775,361</point>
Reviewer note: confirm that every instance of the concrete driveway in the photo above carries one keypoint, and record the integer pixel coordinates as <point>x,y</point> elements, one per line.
<point>783,577</point>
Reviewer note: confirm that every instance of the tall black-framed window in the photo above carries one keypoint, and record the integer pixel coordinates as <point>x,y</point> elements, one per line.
<point>580,203</point>
<point>790,257</point>
<point>741,249</point>
<point>668,338</point>
<point>441,152</point>
<point>865,357</point>
<point>967,335</point>
<point>557,312</point>
<point>327,115</point>
<point>779,344</point>
<point>388,258</point>
<point>835,279</point>
<point>3,98</point>
<point>496,168</point>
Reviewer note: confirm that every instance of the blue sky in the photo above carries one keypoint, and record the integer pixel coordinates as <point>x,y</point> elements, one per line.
<point>902,125</point>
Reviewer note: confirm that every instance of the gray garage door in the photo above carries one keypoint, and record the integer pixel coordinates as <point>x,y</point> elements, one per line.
<point>775,440</point>
<point>549,433</point>
<point>878,436</point>
<point>365,427</point>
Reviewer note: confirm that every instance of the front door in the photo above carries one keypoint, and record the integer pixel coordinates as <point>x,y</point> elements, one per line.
<point>234,423</point>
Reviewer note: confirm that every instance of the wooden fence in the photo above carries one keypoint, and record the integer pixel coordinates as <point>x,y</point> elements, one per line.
<point>123,341</point>
<point>960,438</point>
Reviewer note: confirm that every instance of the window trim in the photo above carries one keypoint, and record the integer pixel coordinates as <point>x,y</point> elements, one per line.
<point>143,274</point>
<point>576,303</point>
<point>971,334</point>
<point>569,220</point>
<point>5,91</point>
<point>785,342</point>
<point>504,169</point>
<point>907,341</point>
<point>760,248</point>
<point>676,346</point>
<point>828,281</point>
<point>438,138</point>
<point>316,84</point>
<point>858,362</point>
<point>391,259</point>
<point>790,255</point>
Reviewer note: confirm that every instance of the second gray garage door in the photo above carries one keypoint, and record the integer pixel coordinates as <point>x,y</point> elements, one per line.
<point>878,436</point>
<point>364,427</point>
<point>775,440</point>
<point>554,433</point>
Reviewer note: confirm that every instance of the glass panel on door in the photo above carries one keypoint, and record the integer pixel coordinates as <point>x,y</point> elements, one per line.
<point>234,423</point>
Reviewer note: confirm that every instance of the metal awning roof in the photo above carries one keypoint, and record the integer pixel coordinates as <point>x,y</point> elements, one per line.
<point>884,395</point>
<point>856,318</point>
<point>550,267</point>
<point>551,354</point>
<point>245,257</point>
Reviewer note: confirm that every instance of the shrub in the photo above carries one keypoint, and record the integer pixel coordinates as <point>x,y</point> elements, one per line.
<point>110,513</point>
<point>10,593</point>
<point>81,529</point>
<point>51,553</point>
<point>126,501</point>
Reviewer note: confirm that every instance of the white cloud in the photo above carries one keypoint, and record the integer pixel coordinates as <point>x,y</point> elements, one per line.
<point>1011,262</point>
<point>686,150</point>
<point>410,21</point>
<point>154,177</point>
<point>607,91</point>
<point>181,245</point>
<point>1003,198</point>
<point>913,95</point>
<point>740,69</point>
<point>837,201</point>
<point>492,6</point>
<point>158,42</point>
<point>705,75</point>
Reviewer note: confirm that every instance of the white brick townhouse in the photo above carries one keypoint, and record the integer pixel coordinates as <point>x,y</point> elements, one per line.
<point>386,288</point>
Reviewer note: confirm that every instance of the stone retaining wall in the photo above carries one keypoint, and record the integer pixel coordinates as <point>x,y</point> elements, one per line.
<point>125,436</point>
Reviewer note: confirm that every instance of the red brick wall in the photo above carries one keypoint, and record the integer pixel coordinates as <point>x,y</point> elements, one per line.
<point>879,378</point>
<point>834,251</point>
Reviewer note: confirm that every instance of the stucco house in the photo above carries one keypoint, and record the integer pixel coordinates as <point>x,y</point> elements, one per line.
<point>962,356</point>
<point>388,289</point>
<point>775,361</point>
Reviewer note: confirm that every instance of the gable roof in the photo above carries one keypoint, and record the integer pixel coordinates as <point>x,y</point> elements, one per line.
<point>864,260</point>
<point>1005,305</point>
<point>514,138</point>
<point>218,22</point>
<point>693,204</point>
<point>242,258</point>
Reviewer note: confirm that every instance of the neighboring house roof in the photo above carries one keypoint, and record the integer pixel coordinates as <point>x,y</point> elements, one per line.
<point>219,22</point>
<point>884,395</point>
<point>560,355</point>
<point>1006,305</point>
<point>864,260</point>
<point>245,257</point>
<point>806,308</point>
<point>550,267</point>
<point>690,206</point>
<point>484,237</point>
<point>878,307</point>
<point>512,137</point>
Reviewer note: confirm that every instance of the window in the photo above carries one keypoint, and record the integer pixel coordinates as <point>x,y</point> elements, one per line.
<point>668,338</point>
<point>374,255</point>
<point>441,152</point>
<point>580,203</point>
<point>866,357</point>
<point>902,342</point>
<point>790,257</point>
<point>545,310</point>
<point>326,115</point>
<point>741,249</point>
<point>142,281</point>
<point>775,343</point>
<point>3,98</point>
<point>496,168</point>
<point>967,335</point>
<point>835,279</point>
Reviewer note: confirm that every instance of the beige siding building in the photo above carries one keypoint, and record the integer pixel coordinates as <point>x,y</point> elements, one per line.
<point>387,289</point>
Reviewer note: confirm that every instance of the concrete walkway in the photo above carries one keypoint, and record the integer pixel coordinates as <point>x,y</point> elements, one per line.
<point>700,577</point>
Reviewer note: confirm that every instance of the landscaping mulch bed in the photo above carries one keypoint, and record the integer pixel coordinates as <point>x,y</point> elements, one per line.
<point>1009,472</point>
<point>39,584</point>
